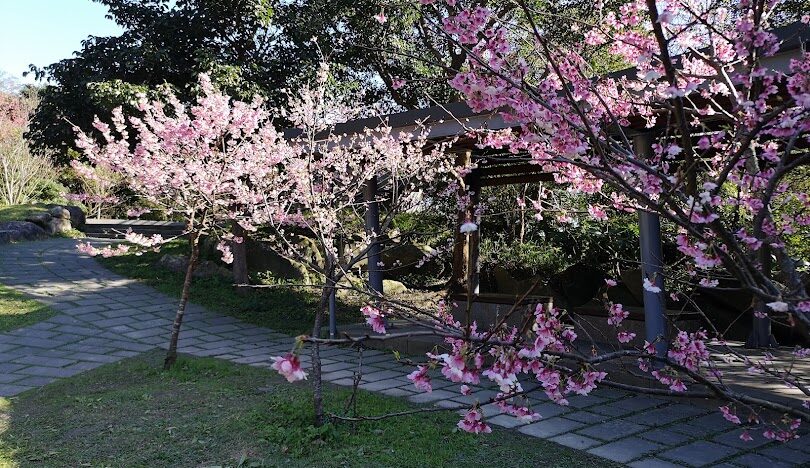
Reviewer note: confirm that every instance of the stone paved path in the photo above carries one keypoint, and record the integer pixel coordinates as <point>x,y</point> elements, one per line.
<point>104,318</point>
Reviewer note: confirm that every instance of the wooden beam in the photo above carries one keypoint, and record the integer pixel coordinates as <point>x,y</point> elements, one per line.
<point>495,169</point>
<point>517,179</point>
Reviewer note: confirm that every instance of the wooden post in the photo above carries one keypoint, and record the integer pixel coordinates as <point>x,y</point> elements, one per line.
<point>652,262</point>
<point>239,250</point>
<point>474,245</point>
<point>465,254</point>
<point>372,219</point>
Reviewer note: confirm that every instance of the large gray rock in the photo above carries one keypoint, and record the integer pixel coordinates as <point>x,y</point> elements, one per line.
<point>15,231</point>
<point>41,219</point>
<point>408,259</point>
<point>59,212</point>
<point>59,225</point>
<point>394,287</point>
<point>77,216</point>
<point>507,284</point>
<point>576,285</point>
<point>262,258</point>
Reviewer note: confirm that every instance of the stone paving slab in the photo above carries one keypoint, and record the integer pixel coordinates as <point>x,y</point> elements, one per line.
<point>548,428</point>
<point>104,318</point>
<point>626,450</point>
<point>699,453</point>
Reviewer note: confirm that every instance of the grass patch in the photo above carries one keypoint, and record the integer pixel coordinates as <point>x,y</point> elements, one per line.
<point>288,310</point>
<point>19,212</point>
<point>17,311</point>
<point>210,412</point>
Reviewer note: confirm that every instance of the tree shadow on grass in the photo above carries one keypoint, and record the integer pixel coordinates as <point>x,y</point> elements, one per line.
<point>283,309</point>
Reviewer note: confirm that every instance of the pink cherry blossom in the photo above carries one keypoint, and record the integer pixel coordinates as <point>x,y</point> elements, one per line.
<point>625,337</point>
<point>729,416</point>
<point>374,318</point>
<point>473,422</point>
<point>289,366</point>
<point>421,379</point>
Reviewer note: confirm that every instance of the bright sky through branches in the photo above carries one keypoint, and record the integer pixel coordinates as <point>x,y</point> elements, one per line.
<point>41,32</point>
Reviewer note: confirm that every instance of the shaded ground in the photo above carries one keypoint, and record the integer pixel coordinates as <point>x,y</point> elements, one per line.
<point>287,310</point>
<point>211,412</point>
<point>284,309</point>
<point>16,311</point>
<point>105,318</point>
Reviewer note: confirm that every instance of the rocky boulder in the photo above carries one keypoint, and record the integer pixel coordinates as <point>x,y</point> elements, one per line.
<point>631,279</point>
<point>408,259</point>
<point>15,231</point>
<point>394,287</point>
<point>262,258</point>
<point>60,220</point>
<point>77,216</point>
<point>507,284</point>
<point>59,212</point>
<point>41,219</point>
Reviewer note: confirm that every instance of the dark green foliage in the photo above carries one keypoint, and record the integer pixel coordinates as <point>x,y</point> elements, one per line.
<point>526,246</point>
<point>260,47</point>
<point>161,46</point>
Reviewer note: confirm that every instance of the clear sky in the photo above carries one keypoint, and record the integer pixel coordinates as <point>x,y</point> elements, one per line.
<point>41,32</point>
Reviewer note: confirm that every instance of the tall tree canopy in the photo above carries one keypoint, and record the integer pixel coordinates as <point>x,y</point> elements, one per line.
<point>383,48</point>
<point>161,45</point>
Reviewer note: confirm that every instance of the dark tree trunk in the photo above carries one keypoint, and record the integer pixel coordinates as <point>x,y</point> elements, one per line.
<point>239,250</point>
<point>317,384</point>
<point>761,336</point>
<point>171,355</point>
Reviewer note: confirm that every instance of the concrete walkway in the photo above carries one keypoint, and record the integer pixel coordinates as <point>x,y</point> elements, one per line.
<point>104,318</point>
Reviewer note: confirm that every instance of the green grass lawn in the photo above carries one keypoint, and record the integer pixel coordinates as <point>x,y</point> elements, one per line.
<point>210,412</point>
<point>18,311</point>
<point>19,212</point>
<point>287,310</point>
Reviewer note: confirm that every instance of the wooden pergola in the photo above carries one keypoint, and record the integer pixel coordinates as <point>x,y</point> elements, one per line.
<point>455,120</point>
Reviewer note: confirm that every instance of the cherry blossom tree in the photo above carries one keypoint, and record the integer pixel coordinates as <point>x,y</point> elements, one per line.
<point>196,162</point>
<point>222,161</point>
<point>707,127</point>
<point>319,190</point>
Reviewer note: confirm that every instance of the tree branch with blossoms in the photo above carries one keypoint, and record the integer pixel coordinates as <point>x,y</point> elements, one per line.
<point>728,128</point>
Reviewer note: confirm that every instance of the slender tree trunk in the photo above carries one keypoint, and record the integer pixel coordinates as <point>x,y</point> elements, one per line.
<point>171,355</point>
<point>317,384</point>
<point>239,249</point>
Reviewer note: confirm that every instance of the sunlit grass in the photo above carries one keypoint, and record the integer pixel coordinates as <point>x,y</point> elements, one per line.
<point>17,311</point>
